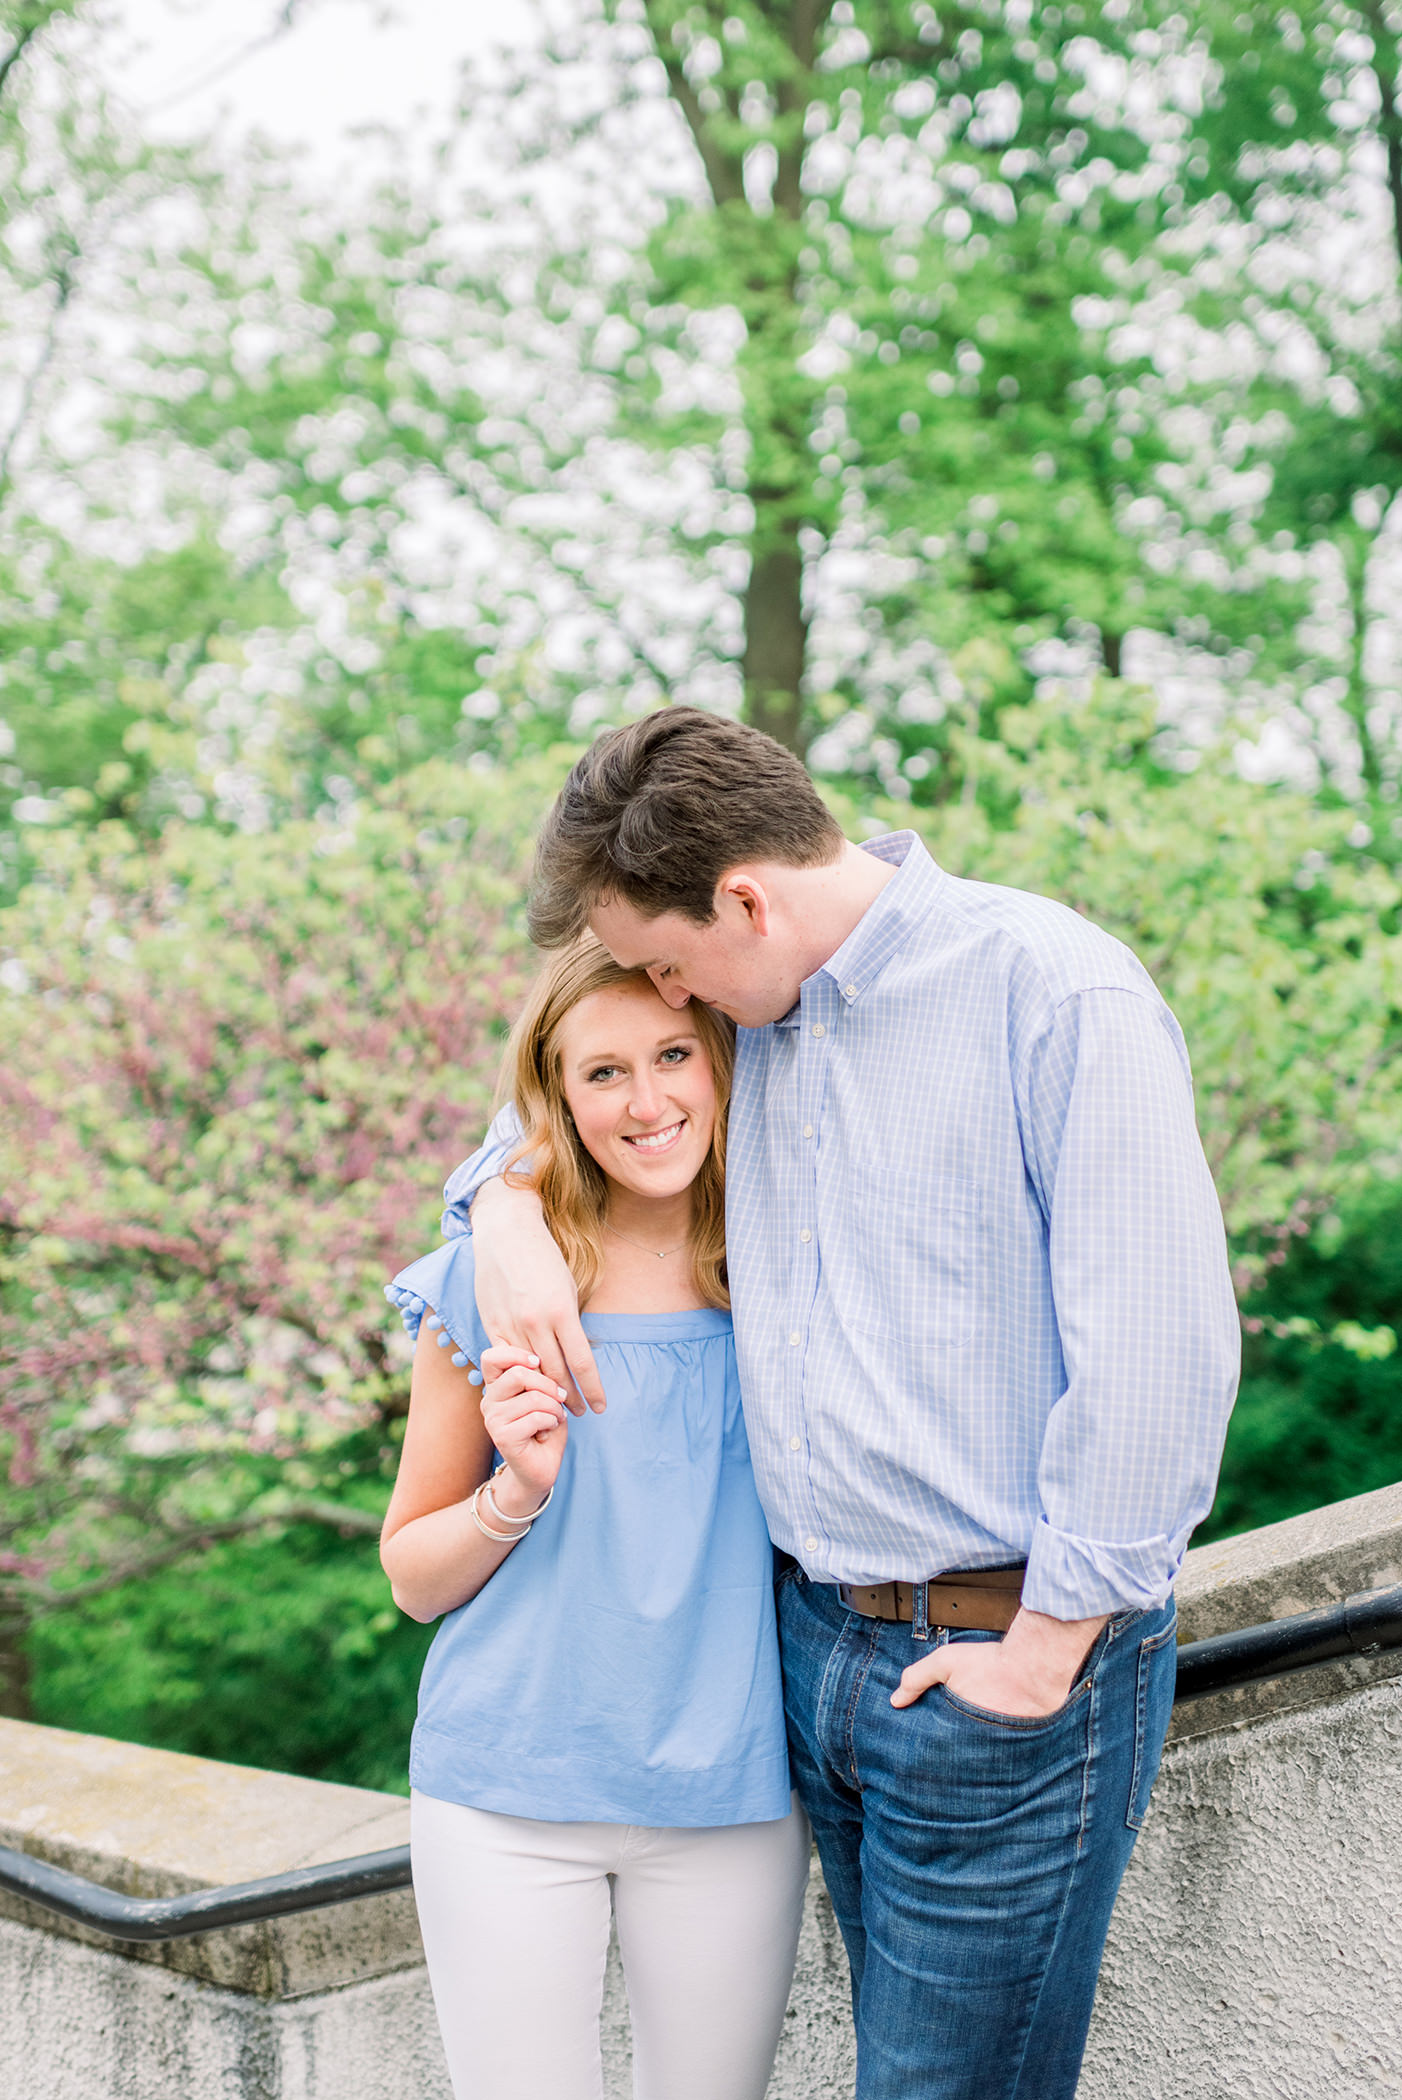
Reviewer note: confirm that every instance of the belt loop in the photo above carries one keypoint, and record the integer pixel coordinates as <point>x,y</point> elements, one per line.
<point>920,1611</point>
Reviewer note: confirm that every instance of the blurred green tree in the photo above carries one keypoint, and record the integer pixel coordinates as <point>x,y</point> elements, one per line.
<point>875,359</point>
<point>280,1649</point>
<point>1277,944</point>
<point>1319,1416</point>
<point>1291,236</point>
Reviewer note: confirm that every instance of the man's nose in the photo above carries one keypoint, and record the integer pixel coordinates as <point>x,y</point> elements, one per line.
<point>669,990</point>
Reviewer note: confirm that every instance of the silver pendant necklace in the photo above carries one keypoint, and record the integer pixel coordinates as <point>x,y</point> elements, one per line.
<point>660,1252</point>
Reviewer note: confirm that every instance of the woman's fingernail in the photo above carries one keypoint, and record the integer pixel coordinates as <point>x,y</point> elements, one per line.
<point>561,1391</point>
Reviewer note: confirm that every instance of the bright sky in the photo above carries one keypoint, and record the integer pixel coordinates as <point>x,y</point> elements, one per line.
<point>198,65</point>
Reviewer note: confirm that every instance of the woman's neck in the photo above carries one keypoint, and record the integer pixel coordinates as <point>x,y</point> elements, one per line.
<point>646,1263</point>
<point>658,1222</point>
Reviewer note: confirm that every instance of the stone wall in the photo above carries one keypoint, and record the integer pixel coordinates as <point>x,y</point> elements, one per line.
<point>1257,1948</point>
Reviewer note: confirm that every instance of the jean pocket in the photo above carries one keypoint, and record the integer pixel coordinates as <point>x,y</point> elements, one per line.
<point>1153,1704</point>
<point>1016,1724</point>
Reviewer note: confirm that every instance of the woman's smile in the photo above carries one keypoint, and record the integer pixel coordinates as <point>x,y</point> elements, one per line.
<point>655,1141</point>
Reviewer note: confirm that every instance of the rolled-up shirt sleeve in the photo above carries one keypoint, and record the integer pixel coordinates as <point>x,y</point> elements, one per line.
<point>1149,1331</point>
<point>484,1165</point>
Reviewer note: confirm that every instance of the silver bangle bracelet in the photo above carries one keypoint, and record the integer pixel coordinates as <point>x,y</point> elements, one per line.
<point>501,1514</point>
<point>502,1538</point>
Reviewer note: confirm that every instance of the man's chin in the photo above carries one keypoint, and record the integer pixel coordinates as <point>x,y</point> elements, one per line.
<point>754,1017</point>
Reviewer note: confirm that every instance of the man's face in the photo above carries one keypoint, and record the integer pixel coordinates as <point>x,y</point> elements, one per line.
<point>730,964</point>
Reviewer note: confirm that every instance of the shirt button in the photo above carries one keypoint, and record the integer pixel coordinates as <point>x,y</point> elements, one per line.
<point>793,1341</point>
<point>810,1545</point>
<point>818,1028</point>
<point>805,1235</point>
<point>850,990</point>
<point>808,1130</point>
<point>795,1443</point>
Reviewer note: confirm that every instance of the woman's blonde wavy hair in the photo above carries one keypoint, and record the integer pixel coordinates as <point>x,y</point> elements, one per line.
<point>570,1183</point>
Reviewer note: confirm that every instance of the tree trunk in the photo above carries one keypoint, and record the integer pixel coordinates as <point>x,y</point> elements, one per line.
<point>776,639</point>
<point>1355,550</point>
<point>758,250</point>
<point>15,1704</point>
<point>1390,117</point>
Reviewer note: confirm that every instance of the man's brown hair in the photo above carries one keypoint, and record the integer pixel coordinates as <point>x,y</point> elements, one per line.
<point>655,813</point>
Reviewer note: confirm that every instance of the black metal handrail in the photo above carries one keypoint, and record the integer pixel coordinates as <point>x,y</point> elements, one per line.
<point>1365,1624</point>
<point>203,1910</point>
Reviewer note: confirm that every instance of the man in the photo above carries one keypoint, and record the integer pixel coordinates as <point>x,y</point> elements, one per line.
<point>988,1348</point>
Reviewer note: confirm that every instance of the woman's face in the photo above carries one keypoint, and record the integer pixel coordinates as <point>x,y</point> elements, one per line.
<point>639,1084</point>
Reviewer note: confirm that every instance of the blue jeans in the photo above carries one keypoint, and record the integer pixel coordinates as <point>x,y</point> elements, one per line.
<point>972,1859</point>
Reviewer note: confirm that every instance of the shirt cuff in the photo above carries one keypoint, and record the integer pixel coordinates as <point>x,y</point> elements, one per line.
<point>464,1182</point>
<point>1074,1578</point>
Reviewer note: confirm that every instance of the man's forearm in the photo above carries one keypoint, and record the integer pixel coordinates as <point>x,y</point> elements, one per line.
<point>525,1293</point>
<point>498,1198</point>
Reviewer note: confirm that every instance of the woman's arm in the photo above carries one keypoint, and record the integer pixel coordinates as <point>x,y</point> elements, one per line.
<point>431,1550</point>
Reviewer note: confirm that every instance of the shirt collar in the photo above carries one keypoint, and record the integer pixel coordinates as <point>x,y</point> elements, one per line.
<point>887,923</point>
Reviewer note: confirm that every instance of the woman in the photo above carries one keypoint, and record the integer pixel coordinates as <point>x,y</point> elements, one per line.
<point>602,1702</point>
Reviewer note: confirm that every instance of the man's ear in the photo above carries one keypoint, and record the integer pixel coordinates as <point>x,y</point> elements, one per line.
<point>743,887</point>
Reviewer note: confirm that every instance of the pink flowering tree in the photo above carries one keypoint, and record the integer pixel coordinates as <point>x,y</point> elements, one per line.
<point>233,1072</point>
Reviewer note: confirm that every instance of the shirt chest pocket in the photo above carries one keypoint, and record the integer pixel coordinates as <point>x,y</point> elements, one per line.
<point>919,1261</point>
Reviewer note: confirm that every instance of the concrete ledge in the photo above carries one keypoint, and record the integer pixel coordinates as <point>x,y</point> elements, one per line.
<point>157,1823</point>
<point>1271,1573</point>
<point>1319,1558</point>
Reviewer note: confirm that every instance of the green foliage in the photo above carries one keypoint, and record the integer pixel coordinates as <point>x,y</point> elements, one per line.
<point>1319,1417</point>
<point>284,1652</point>
<point>883,353</point>
<point>100,659</point>
<point>1277,942</point>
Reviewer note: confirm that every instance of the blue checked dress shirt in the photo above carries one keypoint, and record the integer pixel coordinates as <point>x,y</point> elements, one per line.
<point>978,1270</point>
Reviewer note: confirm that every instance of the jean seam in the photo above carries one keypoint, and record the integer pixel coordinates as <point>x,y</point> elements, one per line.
<point>1071,1881</point>
<point>1147,1648</point>
<point>821,1701</point>
<point>1087,1773</point>
<point>860,1677</point>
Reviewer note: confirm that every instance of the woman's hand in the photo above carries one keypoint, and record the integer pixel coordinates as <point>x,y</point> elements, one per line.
<point>526,1419</point>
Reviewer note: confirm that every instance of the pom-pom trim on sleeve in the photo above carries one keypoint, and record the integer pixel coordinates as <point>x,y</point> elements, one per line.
<point>413,1310</point>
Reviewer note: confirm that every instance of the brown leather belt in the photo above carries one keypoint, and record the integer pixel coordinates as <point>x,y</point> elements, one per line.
<point>986,1599</point>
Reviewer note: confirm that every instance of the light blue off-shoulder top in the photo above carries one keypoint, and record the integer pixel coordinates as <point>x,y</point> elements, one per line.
<point>622,1665</point>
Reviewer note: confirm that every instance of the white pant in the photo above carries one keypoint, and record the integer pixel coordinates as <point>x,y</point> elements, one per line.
<point>515,1920</point>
